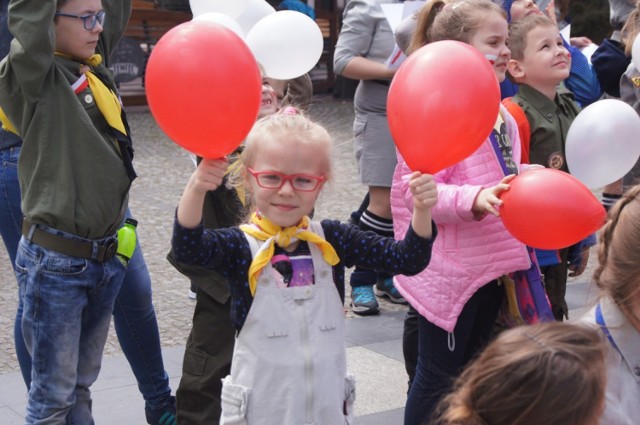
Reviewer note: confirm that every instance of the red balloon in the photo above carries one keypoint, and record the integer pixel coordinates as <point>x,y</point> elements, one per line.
<point>203,87</point>
<point>443,103</point>
<point>550,209</point>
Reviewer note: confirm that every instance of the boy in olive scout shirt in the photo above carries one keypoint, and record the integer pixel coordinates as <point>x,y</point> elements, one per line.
<point>539,63</point>
<point>75,172</point>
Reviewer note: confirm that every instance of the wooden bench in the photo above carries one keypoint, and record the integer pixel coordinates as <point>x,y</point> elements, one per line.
<point>146,26</point>
<point>149,23</point>
<point>322,75</point>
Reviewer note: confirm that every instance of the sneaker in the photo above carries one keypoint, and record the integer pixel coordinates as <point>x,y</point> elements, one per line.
<point>166,415</point>
<point>363,302</point>
<point>191,294</point>
<point>386,289</point>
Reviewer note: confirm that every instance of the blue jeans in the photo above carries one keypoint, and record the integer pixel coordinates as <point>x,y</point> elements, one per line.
<point>10,222</point>
<point>134,319</point>
<point>133,315</point>
<point>67,303</point>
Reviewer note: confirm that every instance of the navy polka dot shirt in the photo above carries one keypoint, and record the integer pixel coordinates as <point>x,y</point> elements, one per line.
<point>227,252</point>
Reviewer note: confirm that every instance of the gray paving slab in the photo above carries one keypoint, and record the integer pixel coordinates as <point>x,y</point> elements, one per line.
<point>388,417</point>
<point>387,326</point>
<point>391,348</point>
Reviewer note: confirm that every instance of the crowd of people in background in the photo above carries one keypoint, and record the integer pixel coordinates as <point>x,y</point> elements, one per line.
<point>268,280</point>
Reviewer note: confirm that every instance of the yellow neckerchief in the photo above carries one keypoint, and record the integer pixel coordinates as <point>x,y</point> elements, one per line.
<point>263,229</point>
<point>6,124</point>
<point>106,100</point>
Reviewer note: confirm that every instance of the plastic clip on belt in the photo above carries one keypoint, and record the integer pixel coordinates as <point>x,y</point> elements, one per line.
<point>105,249</point>
<point>127,240</point>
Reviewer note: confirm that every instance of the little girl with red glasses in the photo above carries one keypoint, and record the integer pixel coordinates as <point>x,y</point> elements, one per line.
<point>286,273</point>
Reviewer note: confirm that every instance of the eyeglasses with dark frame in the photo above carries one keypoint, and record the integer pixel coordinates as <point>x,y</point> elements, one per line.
<point>89,21</point>
<point>275,180</point>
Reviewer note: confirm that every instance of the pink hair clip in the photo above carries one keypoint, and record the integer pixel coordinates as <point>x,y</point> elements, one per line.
<point>290,110</point>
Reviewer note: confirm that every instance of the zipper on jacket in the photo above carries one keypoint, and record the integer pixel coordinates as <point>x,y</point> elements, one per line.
<point>308,359</point>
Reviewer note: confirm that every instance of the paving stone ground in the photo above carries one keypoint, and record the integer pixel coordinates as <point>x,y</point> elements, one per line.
<point>163,169</point>
<point>374,343</point>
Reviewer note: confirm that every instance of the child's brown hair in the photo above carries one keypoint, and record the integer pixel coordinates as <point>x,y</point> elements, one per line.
<point>551,373</point>
<point>451,20</point>
<point>631,29</point>
<point>618,271</point>
<point>519,31</point>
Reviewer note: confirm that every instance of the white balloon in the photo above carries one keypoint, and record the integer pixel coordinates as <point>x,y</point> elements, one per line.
<point>635,52</point>
<point>603,142</point>
<point>287,44</point>
<point>256,10</point>
<point>223,20</point>
<point>232,8</point>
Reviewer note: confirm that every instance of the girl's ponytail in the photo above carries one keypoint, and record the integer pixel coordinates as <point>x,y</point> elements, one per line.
<point>631,29</point>
<point>421,35</point>
<point>455,20</point>
<point>618,272</point>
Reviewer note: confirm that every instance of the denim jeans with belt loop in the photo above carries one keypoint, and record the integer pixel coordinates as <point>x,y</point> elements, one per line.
<point>134,315</point>
<point>67,305</point>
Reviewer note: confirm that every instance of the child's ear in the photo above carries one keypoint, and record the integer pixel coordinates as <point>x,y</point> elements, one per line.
<point>515,68</point>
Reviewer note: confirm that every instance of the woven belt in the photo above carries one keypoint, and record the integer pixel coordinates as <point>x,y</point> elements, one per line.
<point>104,249</point>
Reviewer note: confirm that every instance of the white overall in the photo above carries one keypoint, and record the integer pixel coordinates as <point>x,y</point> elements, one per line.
<point>289,360</point>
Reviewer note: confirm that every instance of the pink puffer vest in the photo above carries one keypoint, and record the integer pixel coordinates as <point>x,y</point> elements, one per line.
<point>467,253</point>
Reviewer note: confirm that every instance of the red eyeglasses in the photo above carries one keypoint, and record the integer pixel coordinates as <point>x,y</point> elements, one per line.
<point>275,180</point>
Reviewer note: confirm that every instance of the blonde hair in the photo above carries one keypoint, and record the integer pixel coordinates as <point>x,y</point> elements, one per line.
<point>457,20</point>
<point>286,125</point>
<point>551,373</point>
<point>618,271</point>
<point>518,32</point>
<point>631,29</point>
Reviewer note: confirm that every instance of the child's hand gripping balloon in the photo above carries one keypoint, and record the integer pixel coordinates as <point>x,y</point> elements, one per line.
<point>425,195</point>
<point>424,190</point>
<point>489,198</point>
<point>208,176</point>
